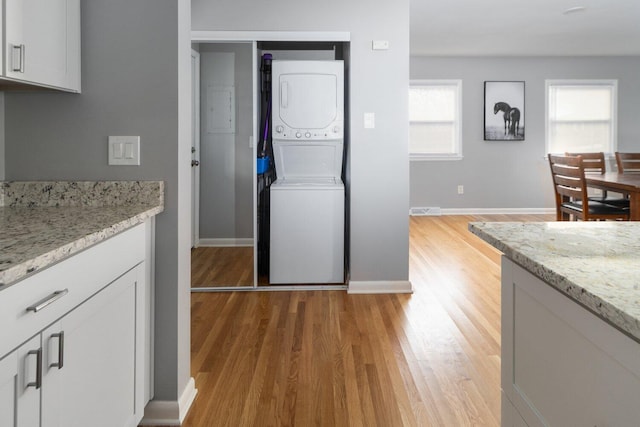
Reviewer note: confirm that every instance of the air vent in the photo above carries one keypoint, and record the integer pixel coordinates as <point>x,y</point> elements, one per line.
<point>434,211</point>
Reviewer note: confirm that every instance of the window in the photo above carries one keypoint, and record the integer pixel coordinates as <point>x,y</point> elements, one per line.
<point>435,120</point>
<point>581,116</point>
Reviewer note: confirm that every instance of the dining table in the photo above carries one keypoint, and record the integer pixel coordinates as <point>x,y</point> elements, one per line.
<point>625,183</point>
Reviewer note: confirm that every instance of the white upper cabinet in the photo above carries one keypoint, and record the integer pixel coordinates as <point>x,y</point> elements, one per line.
<point>42,43</point>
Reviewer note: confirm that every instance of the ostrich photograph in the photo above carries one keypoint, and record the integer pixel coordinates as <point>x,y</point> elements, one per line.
<point>504,111</point>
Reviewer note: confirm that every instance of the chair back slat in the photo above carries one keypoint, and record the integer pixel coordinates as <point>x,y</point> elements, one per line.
<point>628,162</point>
<point>592,162</point>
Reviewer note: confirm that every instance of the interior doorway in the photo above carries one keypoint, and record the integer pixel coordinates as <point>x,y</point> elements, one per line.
<point>216,258</point>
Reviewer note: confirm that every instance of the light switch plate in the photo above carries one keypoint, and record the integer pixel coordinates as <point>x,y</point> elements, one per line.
<point>380,45</point>
<point>124,150</point>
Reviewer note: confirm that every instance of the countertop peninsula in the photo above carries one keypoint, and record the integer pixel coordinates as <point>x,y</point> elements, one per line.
<point>42,223</point>
<point>596,264</point>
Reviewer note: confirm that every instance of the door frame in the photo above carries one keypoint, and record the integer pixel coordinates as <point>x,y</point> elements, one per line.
<point>206,36</point>
<point>195,145</point>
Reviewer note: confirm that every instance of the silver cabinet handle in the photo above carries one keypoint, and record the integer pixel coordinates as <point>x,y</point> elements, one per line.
<point>60,363</point>
<point>38,382</point>
<point>195,163</point>
<point>48,300</point>
<point>17,58</point>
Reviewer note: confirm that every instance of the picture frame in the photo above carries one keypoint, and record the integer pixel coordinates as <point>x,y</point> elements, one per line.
<point>504,113</point>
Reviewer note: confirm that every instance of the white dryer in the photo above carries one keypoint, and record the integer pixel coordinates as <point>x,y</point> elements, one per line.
<point>307,198</point>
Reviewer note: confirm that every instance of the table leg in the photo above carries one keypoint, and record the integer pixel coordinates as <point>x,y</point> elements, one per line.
<point>634,206</point>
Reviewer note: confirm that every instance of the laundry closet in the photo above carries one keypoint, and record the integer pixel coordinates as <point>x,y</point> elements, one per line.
<point>270,156</point>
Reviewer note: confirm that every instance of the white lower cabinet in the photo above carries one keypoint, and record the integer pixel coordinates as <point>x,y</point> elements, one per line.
<point>86,366</point>
<point>561,364</point>
<point>89,360</point>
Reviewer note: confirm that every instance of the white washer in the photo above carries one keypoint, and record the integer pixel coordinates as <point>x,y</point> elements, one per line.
<point>307,198</point>
<point>307,231</point>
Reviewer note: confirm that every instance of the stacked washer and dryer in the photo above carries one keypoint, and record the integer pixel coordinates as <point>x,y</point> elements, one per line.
<point>307,197</point>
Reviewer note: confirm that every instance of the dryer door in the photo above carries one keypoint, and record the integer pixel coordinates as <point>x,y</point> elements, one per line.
<point>308,100</point>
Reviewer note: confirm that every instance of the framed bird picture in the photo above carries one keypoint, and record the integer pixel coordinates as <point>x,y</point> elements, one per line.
<point>504,111</point>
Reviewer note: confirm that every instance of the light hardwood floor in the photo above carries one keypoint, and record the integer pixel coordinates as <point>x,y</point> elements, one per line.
<point>221,266</point>
<point>326,358</point>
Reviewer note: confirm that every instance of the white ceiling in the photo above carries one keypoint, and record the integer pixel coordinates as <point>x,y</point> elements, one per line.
<point>524,27</point>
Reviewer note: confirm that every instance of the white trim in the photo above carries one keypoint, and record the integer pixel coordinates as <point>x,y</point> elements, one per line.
<point>256,76</point>
<point>498,211</point>
<point>170,412</point>
<point>249,36</point>
<point>223,243</point>
<point>195,140</point>
<point>380,287</point>
<point>151,276</point>
<point>270,288</point>
<point>186,399</point>
<point>421,157</point>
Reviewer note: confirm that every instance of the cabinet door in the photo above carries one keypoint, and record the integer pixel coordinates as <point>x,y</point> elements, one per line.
<point>20,380</point>
<point>8,389</point>
<point>42,43</point>
<point>561,364</point>
<point>91,381</point>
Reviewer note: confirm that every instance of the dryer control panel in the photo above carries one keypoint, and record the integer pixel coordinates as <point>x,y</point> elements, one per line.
<point>285,132</point>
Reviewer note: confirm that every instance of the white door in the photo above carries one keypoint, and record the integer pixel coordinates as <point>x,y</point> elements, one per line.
<point>195,148</point>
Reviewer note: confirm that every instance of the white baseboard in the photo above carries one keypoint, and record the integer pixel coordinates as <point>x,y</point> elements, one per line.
<point>499,211</point>
<point>380,287</point>
<point>222,243</point>
<point>170,412</point>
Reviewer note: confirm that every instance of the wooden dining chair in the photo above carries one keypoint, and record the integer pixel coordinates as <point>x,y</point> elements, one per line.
<point>570,190</point>
<point>595,163</point>
<point>628,162</point>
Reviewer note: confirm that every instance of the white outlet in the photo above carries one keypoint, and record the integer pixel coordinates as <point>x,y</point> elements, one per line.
<point>460,189</point>
<point>380,45</point>
<point>369,120</point>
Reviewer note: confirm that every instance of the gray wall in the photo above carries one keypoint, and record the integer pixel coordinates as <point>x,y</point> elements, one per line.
<point>2,160</point>
<point>378,161</point>
<point>135,71</point>
<point>512,174</point>
<point>134,58</point>
<point>226,160</point>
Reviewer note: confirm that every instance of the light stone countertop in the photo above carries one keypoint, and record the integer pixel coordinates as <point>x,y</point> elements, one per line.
<point>44,223</point>
<point>594,263</point>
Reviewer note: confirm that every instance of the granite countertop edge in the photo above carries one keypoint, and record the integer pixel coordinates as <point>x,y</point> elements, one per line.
<point>610,313</point>
<point>40,262</point>
<point>45,222</point>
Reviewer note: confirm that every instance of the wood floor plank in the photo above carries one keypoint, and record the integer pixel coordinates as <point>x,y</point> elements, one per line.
<point>221,266</point>
<point>327,358</point>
